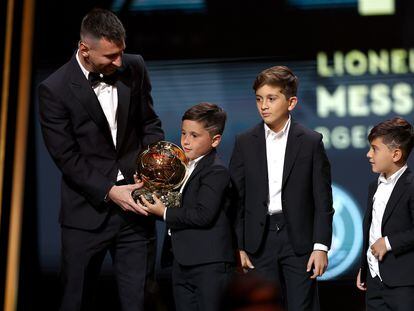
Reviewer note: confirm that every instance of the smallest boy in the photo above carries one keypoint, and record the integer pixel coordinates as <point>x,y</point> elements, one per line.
<point>387,265</point>
<point>201,234</point>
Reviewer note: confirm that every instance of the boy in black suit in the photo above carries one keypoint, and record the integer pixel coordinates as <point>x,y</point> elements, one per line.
<point>387,269</point>
<point>282,175</point>
<point>201,234</point>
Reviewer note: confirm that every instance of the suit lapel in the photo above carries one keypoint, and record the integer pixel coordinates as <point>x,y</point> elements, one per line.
<point>398,191</point>
<point>124,94</point>
<point>260,158</point>
<point>87,97</point>
<point>293,145</point>
<point>206,160</point>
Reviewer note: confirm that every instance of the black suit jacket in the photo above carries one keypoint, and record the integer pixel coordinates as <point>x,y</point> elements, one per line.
<point>306,188</point>
<point>200,229</point>
<point>78,137</point>
<point>397,267</point>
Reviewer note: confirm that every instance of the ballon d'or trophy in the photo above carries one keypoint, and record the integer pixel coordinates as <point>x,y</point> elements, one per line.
<point>162,167</point>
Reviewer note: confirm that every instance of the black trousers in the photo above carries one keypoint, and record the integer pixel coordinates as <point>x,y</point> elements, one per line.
<point>276,261</point>
<point>380,297</point>
<point>200,287</point>
<point>130,239</point>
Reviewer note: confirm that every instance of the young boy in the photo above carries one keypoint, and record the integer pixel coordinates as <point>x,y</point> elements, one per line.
<point>201,234</point>
<point>282,174</point>
<point>387,265</point>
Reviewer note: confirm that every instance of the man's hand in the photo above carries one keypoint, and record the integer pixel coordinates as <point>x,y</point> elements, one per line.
<point>121,196</point>
<point>157,208</point>
<point>361,285</point>
<point>319,261</point>
<point>379,249</point>
<point>138,181</point>
<point>245,262</point>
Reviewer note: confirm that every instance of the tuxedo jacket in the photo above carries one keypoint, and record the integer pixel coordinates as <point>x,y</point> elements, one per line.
<point>306,189</point>
<point>200,229</point>
<point>397,267</point>
<point>78,137</point>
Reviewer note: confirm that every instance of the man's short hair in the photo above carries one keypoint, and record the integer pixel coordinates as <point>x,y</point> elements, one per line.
<point>395,133</point>
<point>210,115</point>
<point>280,76</point>
<point>101,23</point>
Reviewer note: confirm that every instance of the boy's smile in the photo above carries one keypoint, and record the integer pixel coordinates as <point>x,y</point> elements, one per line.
<point>273,106</point>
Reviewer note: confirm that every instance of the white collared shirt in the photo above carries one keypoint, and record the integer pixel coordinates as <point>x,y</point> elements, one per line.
<point>380,200</point>
<point>275,154</point>
<point>191,166</point>
<point>108,98</point>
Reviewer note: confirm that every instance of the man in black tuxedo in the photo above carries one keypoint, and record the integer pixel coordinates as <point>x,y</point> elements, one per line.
<point>282,175</point>
<point>387,269</point>
<point>94,130</point>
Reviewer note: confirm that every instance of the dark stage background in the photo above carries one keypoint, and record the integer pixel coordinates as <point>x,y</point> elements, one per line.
<point>354,70</point>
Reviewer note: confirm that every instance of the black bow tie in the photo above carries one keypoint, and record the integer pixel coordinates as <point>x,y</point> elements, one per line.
<point>95,78</point>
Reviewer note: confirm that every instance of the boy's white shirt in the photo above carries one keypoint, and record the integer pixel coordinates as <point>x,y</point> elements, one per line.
<point>275,155</point>
<point>380,200</point>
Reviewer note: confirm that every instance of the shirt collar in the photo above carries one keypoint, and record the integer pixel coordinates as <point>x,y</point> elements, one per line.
<point>193,163</point>
<point>283,131</point>
<point>393,178</point>
<point>85,72</point>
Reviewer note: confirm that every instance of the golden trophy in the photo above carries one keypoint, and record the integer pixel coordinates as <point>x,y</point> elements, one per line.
<point>162,167</point>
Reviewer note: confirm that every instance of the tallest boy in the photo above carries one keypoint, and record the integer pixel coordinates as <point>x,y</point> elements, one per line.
<point>96,114</point>
<point>283,178</point>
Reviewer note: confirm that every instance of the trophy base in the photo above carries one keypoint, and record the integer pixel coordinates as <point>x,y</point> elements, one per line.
<point>169,198</point>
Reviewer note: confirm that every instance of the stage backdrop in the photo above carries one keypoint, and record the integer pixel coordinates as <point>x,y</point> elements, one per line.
<point>341,95</point>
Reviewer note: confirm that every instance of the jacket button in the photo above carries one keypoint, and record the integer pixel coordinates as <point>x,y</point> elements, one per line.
<point>261,224</point>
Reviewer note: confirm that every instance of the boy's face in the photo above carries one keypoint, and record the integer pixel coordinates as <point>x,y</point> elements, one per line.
<point>382,158</point>
<point>196,140</point>
<point>273,106</point>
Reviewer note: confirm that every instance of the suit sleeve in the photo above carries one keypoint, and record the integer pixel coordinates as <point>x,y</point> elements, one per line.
<point>403,241</point>
<point>322,193</point>
<point>62,145</point>
<point>150,129</point>
<point>237,174</point>
<point>213,186</point>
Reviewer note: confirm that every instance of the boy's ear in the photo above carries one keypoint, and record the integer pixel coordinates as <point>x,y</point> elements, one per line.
<point>215,141</point>
<point>397,155</point>
<point>292,102</point>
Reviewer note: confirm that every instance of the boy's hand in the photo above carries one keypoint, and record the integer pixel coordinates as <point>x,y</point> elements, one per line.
<point>361,285</point>
<point>245,262</point>
<point>319,261</point>
<point>379,249</point>
<point>157,208</point>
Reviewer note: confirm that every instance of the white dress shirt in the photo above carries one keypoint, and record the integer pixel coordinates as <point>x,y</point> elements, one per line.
<point>275,155</point>
<point>380,200</point>
<point>108,98</point>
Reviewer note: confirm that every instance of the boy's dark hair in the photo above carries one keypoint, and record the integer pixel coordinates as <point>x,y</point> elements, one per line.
<point>280,76</point>
<point>395,133</point>
<point>211,116</point>
<point>101,23</point>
